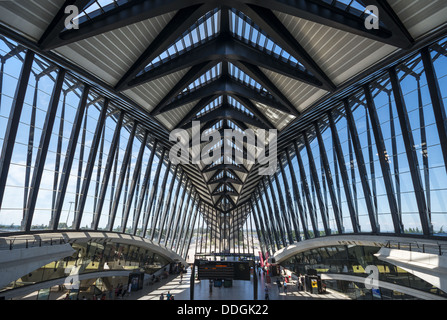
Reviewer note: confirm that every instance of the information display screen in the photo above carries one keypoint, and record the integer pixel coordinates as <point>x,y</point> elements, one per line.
<point>225,270</point>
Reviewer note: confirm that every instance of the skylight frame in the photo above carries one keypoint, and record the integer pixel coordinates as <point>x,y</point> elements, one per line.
<point>96,8</point>
<point>190,39</point>
<point>245,30</point>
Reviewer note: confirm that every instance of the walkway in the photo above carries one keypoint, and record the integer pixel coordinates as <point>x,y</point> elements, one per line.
<point>241,290</point>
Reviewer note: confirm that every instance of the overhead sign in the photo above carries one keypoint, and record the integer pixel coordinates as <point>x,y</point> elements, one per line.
<point>224,270</point>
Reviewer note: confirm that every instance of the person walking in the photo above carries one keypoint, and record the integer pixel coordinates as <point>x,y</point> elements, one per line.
<point>278,283</point>
<point>285,287</point>
<point>129,289</point>
<point>302,283</point>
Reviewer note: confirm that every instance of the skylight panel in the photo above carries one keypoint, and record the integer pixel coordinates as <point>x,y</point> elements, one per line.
<point>241,76</point>
<point>354,7</point>
<point>246,30</point>
<point>203,30</point>
<point>213,105</point>
<point>205,78</point>
<point>98,7</point>
<point>234,126</point>
<point>239,106</point>
<point>179,45</point>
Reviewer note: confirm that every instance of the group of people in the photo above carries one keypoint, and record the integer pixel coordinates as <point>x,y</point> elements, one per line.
<point>120,291</point>
<point>284,285</point>
<point>169,296</point>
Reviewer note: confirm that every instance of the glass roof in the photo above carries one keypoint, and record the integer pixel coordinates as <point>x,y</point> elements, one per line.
<point>209,76</point>
<point>232,101</point>
<point>216,103</point>
<point>98,7</point>
<point>246,30</point>
<point>351,6</point>
<point>241,76</point>
<point>206,28</point>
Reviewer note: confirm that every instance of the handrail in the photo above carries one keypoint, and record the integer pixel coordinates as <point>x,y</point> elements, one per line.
<point>26,243</point>
<point>439,249</point>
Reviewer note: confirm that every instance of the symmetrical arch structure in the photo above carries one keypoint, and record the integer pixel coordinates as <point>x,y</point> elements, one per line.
<point>88,105</point>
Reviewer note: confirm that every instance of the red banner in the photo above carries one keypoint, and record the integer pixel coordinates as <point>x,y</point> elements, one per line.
<point>261,259</point>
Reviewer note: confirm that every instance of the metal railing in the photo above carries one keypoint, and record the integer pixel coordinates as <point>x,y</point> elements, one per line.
<point>431,248</point>
<point>21,243</point>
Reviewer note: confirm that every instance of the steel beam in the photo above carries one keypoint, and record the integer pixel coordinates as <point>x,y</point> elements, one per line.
<point>182,213</point>
<point>135,178</point>
<point>173,227</point>
<point>271,25</point>
<point>384,160</point>
<point>226,85</point>
<point>186,247</point>
<point>69,157</point>
<point>183,19</point>
<point>316,182</point>
<point>306,189</point>
<point>268,221</point>
<point>437,100</point>
<point>330,180</point>
<point>122,16</point>
<point>262,242</point>
<point>90,164</point>
<point>122,175</point>
<point>160,201</point>
<point>45,141</point>
<point>296,191</point>
<point>254,72</point>
<point>253,109</point>
<point>14,120</point>
<point>56,26</point>
<point>410,149</point>
<point>196,109</point>
<point>108,170</point>
<point>334,17</point>
<point>286,221</point>
<point>194,73</point>
<point>361,167</point>
<point>224,49</point>
<point>145,187</point>
<point>228,112</point>
<point>388,16</point>
<point>153,194</point>
<point>293,214</point>
<point>344,174</point>
<point>274,218</point>
<point>167,203</point>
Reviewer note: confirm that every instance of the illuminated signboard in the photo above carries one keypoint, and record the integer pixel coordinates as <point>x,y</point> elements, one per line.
<point>225,270</point>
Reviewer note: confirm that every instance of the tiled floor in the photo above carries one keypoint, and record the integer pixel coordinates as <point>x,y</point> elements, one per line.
<point>241,290</point>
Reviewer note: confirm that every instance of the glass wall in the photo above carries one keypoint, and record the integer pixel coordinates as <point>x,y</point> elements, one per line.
<point>373,164</point>
<point>74,160</point>
<point>92,257</point>
<point>352,261</point>
<point>79,162</point>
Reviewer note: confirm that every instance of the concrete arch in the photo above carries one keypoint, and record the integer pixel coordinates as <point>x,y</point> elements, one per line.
<point>22,254</point>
